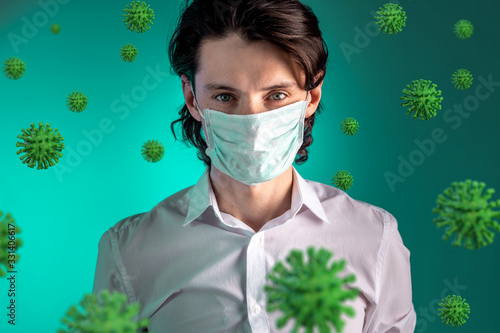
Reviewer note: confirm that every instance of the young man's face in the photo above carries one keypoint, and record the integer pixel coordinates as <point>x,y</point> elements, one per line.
<point>250,69</point>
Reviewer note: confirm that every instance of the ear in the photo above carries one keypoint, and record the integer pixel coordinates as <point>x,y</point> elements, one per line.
<point>315,99</point>
<point>189,97</point>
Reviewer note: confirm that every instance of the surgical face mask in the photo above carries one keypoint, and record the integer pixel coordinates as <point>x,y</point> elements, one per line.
<point>254,148</point>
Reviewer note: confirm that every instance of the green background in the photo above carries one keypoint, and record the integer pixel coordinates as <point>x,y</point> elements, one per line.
<point>63,211</point>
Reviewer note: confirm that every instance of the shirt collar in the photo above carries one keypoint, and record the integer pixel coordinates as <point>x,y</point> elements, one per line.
<point>201,196</point>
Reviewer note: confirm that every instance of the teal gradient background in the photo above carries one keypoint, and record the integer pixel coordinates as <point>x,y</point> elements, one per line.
<point>101,179</point>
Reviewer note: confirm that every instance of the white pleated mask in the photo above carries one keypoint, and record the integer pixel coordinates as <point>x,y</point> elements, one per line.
<point>255,148</point>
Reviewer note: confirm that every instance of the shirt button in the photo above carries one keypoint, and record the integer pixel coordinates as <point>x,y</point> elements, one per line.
<point>256,309</point>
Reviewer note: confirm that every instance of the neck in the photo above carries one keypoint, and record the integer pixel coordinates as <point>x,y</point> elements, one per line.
<point>253,205</point>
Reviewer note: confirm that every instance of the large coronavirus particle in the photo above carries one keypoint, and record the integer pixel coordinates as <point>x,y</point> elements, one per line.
<point>342,180</point>
<point>422,98</point>
<point>468,214</point>
<point>42,145</point>
<point>77,101</point>
<point>129,53</point>
<point>9,243</point>
<point>14,68</point>
<point>312,293</point>
<point>453,310</point>
<point>138,16</point>
<point>462,79</point>
<point>349,126</point>
<point>152,151</point>
<point>104,313</point>
<point>464,29</point>
<point>391,18</point>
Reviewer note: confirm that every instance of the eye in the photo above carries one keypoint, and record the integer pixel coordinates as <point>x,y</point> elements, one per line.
<point>226,97</point>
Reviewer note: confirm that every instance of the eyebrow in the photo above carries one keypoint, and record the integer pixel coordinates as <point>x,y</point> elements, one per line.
<point>218,86</point>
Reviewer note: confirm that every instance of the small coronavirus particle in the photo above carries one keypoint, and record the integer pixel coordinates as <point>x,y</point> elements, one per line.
<point>42,145</point>
<point>14,68</point>
<point>464,29</point>
<point>152,151</point>
<point>453,310</point>
<point>391,19</point>
<point>9,243</point>
<point>55,28</point>
<point>77,101</point>
<point>422,98</point>
<point>138,16</point>
<point>104,313</point>
<point>129,53</point>
<point>342,180</point>
<point>312,293</point>
<point>462,79</point>
<point>349,126</point>
<point>468,214</point>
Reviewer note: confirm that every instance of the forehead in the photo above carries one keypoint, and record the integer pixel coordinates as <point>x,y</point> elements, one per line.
<point>249,64</point>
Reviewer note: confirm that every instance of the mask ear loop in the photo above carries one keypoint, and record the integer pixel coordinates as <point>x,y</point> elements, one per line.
<point>195,101</point>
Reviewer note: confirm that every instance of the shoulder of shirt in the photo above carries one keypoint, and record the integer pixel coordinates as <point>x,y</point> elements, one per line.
<point>340,200</point>
<point>136,221</point>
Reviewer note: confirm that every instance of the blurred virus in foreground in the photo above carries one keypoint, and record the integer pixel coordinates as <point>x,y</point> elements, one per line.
<point>312,293</point>
<point>9,243</point>
<point>468,214</point>
<point>107,313</point>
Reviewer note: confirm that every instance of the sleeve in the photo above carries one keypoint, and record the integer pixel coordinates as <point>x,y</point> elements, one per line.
<point>393,311</point>
<point>109,269</point>
<point>107,274</point>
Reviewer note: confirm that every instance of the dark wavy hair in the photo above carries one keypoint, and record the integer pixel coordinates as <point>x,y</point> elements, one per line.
<point>288,24</point>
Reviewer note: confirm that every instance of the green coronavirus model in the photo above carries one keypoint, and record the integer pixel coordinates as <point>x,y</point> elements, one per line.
<point>453,310</point>
<point>391,18</point>
<point>462,79</point>
<point>55,28</point>
<point>152,151</point>
<point>349,126</point>
<point>42,145</point>
<point>9,243</point>
<point>129,53</point>
<point>342,180</point>
<point>468,214</point>
<point>312,293</point>
<point>77,101</point>
<point>138,16</point>
<point>103,315</point>
<point>422,98</point>
<point>464,29</point>
<point>14,68</point>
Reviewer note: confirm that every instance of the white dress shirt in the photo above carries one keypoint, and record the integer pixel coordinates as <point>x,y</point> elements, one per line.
<point>195,269</point>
